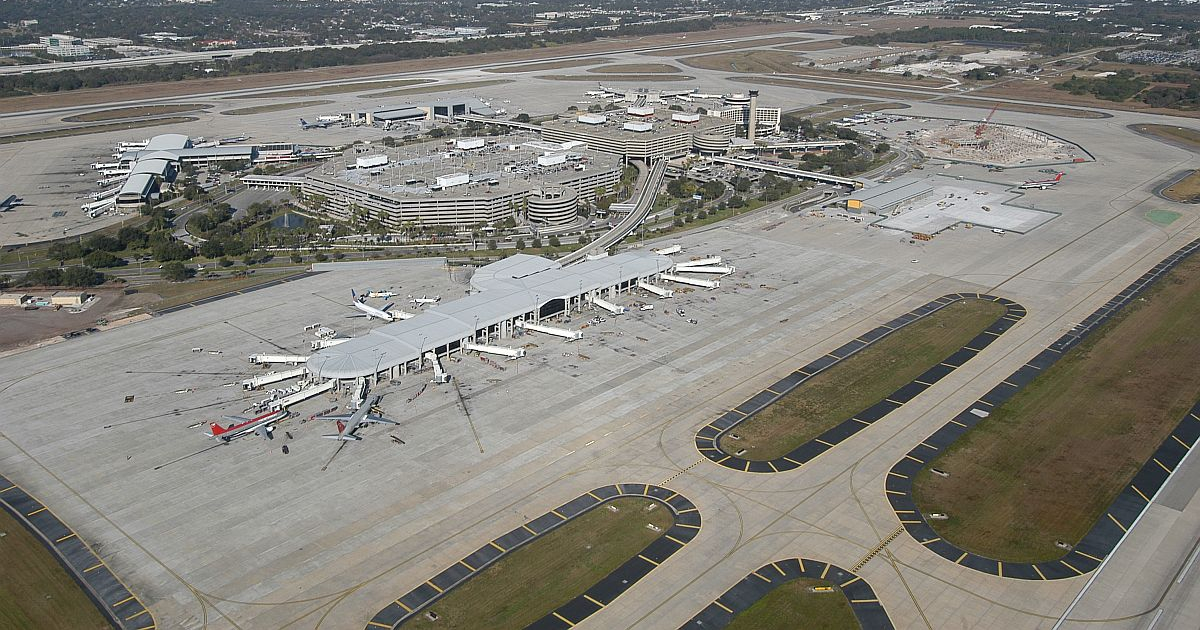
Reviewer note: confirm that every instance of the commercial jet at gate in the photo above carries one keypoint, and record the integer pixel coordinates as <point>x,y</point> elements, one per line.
<point>1043,184</point>
<point>262,425</point>
<point>360,303</point>
<point>349,424</point>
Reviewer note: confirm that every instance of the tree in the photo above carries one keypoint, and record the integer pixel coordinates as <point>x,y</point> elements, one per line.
<point>225,262</point>
<point>172,250</point>
<point>81,276</point>
<point>554,242</point>
<point>520,243</point>
<point>491,244</point>
<point>102,259</point>
<point>175,271</point>
<point>44,276</point>
<point>297,258</point>
<point>537,242</point>
<point>104,243</point>
<point>713,189</point>
<point>320,257</point>
<point>63,252</point>
<point>212,249</point>
<point>882,147</point>
<point>676,108</point>
<point>521,118</point>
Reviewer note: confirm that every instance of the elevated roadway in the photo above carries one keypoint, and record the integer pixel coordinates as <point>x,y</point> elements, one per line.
<point>645,201</point>
<point>791,172</point>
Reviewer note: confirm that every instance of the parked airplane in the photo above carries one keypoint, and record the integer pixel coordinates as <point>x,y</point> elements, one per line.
<point>381,294</point>
<point>12,201</point>
<point>1043,184</point>
<point>348,424</point>
<point>234,139</point>
<point>360,303</point>
<point>317,125</point>
<point>425,299</point>
<point>262,425</point>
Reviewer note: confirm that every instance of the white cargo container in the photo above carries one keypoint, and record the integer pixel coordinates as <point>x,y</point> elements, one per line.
<point>371,161</point>
<point>552,159</point>
<point>453,179</point>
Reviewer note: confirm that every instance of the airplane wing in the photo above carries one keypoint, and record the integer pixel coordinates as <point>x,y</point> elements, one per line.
<point>378,419</point>
<point>264,430</point>
<point>344,417</point>
<point>389,305</point>
<point>236,419</point>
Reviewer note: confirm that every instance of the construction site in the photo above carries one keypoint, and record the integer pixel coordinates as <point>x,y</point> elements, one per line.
<point>993,144</point>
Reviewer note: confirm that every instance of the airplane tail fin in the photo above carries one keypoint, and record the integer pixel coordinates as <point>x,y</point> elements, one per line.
<point>215,430</point>
<point>1058,177</point>
<point>389,305</point>
<point>341,426</point>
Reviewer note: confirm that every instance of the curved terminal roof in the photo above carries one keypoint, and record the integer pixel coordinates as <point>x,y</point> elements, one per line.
<point>503,290</point>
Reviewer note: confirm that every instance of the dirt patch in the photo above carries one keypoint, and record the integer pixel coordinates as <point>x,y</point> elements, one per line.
<point>780,62</point>
<point>636,68</point>
<point>90,129</point>
<point>135,112</point>
<point>600,78</point>
<point>341,88</point>
<point>24,328</point>
<point>1047,463</point>
<point>711,48</point>
<point>827,87</point>
<point>274,107</point>
<point>549,65</point>
<point>1042,92</point>
<point>1186,190</point>
<point>437,87</point>
<point>203,86</point>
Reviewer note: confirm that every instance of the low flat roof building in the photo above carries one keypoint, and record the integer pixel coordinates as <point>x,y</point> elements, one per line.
<point>14,299</point>
<point>641,137</point>
<point>883,198</point>
<point>68,298</point>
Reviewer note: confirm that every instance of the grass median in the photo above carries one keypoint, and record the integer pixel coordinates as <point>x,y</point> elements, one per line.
<point>532,581</point>
<point>794,605</point>
<point>35,591</point>
<point>1047,463</point>
<point>863,379</point>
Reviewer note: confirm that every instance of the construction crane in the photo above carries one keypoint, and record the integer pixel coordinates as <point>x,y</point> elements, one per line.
<point>983,125</point>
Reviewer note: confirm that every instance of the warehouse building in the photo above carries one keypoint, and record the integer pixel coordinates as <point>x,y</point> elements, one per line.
<point>884,198</point>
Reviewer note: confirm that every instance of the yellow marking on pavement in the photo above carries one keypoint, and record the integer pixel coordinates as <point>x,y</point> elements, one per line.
<point>402,605</point>
<point>927,445</point>
<point>435,586</point>
<point>493,543</point>
<point>919,382</point>
<point>793,461</point>
<point>127,599</point>
<point>558,514</point>
<point>894,492</point>
<point>1088,555</point>
<point>1114,519</point>
<point>862,421</point>
<point>999,569</point>
<point>377,624</point>
<point>593,600</point>
<point>674,539</point>
<point>527,528</point>
<point>896,474</point>
<point>723,606</point>
<point>687,526</point>
<point>773,468</point>
<point>958,423</point>
<point>777,568</point>
<point>930,541</point>
<point>960,558</point>
<point>464,563</point>
<point>755,574</point>
<point>564,619</point>
<point>7,489</point>
<point>1140,493</point>
<point>825,571</point>
<point>894,402</point>
<point>1064,563</point>
<point>1164,466</point>
<point>647,559</point>
<point>723,459</point>
<point>93,567</point>
<point>801,560</point>
<point>906,511</point>
<point>849,582</point>
<point>594,496</point>
<point>737,412</point>
<point>864,601</point>
<point>910,522</point>
<point>37,511</point>
<point>1038,571</point>
<point>823,442</point>
<point>1185,444</point>
<point>136,615</point>
<point>67,537</point>
<point>914,459</point>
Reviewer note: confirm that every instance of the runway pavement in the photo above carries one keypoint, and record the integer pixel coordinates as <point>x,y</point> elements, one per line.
<point>685,528</point>
<point>867,609</point>
<point>708,439</point>
<point>112,598</point>
<point>1108,530</point>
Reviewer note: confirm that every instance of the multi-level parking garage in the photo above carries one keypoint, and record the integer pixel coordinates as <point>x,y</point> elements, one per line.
<point>464,183</point>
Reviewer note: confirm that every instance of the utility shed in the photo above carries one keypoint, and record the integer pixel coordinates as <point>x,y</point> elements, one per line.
<point>68,298</point>
<point>13,299</point>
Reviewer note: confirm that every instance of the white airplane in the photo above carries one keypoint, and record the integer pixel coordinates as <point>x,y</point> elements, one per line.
<point>425,299</point>
<point>262,425</point>
<point>1043,184</point>
<point>349,423</point>
<point>381,294</point>
<point>369,311</point>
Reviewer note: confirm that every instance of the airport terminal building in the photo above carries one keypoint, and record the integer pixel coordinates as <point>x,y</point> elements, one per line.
<point>505,296</point>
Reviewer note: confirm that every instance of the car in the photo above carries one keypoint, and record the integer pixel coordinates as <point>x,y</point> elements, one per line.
<point>692,321</point>
<point>998,231</point>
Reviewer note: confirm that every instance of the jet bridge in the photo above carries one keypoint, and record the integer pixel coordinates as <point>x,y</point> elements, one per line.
<point>266,359</point>
<point>569,335</point>
<point>439,375</point>
<point>696,282</point>
<point>273,377</point>
<point>615,309</point>
<point>656,290</point>
<point>513,353</point>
